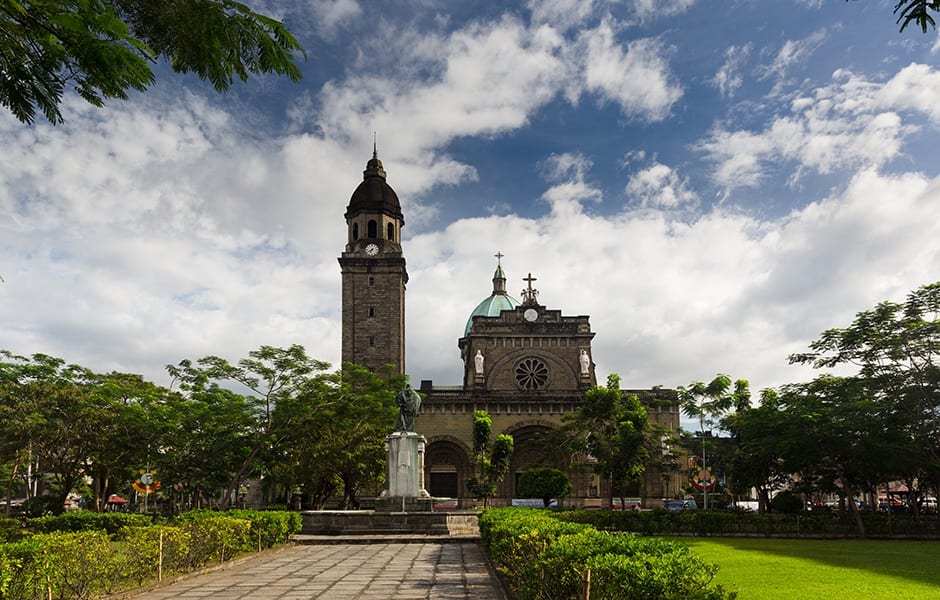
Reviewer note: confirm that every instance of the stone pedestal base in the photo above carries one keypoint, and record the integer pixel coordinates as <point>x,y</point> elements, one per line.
<point>385,504</point>
<point>405,467</point>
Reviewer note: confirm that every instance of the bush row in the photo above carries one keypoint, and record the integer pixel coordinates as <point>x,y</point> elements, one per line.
<point>84,520</point>
<point>701,522</point>
<point>85,563</point>
<point>545,558</point>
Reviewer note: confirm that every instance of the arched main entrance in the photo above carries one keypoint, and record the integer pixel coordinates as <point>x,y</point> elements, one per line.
<point>531,448</point>
<point>446,468</point>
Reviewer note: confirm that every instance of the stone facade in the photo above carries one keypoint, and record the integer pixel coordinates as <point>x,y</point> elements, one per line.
<point>526,364</point>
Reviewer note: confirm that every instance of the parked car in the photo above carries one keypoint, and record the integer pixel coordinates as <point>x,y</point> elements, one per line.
<point>681,505</point>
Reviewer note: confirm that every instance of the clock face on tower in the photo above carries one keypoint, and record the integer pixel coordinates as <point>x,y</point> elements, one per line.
<point>530,314</point>
<point>372,249</point>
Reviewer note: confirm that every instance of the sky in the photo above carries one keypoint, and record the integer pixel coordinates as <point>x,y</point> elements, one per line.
<point>714,183</point>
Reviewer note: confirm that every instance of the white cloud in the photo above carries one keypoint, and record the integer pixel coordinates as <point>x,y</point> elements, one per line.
<point>637,78</point>
<point>331,15</point>
<point>674,302</point>
<point>488,79</point>
<point>651,10</point>
<point>659,186</point>
<point>792,52</point>
<point>915,87</point>
<point>166,227</point>
<point>728,78</point>
<point>846,125</point>
<point>560,14</point>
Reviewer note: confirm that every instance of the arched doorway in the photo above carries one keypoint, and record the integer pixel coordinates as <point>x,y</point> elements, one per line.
<point>531,448</point>
<point>446,468</point>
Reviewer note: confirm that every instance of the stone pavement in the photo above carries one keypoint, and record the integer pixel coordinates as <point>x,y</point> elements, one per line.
<point>430,570</point>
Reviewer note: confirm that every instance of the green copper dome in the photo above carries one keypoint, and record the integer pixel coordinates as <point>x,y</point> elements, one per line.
<point>498,301</point>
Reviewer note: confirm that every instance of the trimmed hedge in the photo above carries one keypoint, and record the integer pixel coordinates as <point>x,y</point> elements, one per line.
<point>718,523</point>
<point>10,530</point>
<point>81,564</point>
<point>83,520</point>
<point>545,558</point>
<point>57,565</point>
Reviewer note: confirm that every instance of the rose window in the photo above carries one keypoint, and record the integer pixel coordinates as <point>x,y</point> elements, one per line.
<point>531,374</point>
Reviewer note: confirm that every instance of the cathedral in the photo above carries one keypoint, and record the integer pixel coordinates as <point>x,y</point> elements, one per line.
<point>524,363</point>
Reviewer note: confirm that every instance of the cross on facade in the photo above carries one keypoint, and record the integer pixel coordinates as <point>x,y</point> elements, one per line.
<point>531,294</point>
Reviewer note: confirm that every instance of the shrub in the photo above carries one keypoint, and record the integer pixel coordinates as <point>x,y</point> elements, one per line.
<point>62,565</point>
<point>270,528</point>
<point>546,558</point>
<point>545,484</point>
<point>141,551</point>
<point>10,530</point>
<point>83,520</point>
<point>215,536</point>
<point>786,502</point>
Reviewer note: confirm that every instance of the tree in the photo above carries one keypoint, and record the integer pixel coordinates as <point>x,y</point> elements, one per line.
<point>895,347</point>
<point>545,483</point>
<point>838,437</point>
<point>351,412</point>
<point>103,48</point>
<point>492,457</point>
<point>613,430</point>
<point>708,403</point>
<point>271,375</point>
<point>916,11</point>
<point>65,422</point>
<point>759,438</point>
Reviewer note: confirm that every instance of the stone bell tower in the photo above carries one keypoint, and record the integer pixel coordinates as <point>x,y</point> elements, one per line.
<point>374,274</point>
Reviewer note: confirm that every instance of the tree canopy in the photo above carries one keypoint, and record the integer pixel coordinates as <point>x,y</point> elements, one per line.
<point>876,422</point>
<point>105,48</point>
<point>613,430</point>
<point>222,424</point>
<point>917,12</point>
<point>492,457</point>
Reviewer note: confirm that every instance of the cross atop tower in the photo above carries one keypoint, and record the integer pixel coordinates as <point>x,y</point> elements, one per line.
<point>530,295</point>
<point>499,258</point>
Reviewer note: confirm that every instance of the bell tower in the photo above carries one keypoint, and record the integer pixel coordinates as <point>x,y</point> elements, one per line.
<point>374,274</point>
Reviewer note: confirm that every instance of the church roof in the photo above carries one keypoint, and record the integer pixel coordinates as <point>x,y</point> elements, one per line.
<point>374,195</point>
<point>497,302</point>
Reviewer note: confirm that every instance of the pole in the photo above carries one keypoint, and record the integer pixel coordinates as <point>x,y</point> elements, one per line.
<point>705,488</point>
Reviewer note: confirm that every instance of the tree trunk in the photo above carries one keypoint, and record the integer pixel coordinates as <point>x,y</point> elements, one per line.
<point>853,509</point>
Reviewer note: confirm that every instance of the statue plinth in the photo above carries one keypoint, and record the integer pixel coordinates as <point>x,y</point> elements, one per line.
<point>404,473</point>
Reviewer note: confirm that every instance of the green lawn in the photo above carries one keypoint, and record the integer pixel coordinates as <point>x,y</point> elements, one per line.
<point>764,569</point>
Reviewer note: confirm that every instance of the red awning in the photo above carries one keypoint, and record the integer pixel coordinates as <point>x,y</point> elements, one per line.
<point>115,499</point>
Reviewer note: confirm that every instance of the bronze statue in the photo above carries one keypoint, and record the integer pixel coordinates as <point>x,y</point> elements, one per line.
<point>409,403</point>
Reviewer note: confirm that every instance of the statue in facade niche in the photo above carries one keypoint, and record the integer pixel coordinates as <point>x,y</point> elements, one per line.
<point>478,362</point>
<point>409,403</point>
<point>585,362</point>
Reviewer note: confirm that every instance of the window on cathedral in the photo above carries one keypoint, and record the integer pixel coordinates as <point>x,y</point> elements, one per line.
<point>391,232</point>
<point>371,280</point>
<point>372,341</point>
<point>355,231</point>
<point>531,374</point>
<point>373,229</point>
<point>371,311</point>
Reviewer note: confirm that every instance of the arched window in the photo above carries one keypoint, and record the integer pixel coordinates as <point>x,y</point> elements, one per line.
<point>391,231</point>
<point>355,231</point>
<point>372,228</point>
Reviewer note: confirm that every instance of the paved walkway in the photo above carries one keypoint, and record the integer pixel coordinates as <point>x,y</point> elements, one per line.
<point>430,570</point>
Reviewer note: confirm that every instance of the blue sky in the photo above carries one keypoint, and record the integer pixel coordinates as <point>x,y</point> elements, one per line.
<point>714,183</point>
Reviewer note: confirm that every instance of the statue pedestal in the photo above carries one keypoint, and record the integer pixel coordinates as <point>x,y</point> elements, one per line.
<point>404,474</point>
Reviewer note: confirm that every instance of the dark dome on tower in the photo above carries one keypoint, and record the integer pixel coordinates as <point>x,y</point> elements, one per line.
<point>374,195</point>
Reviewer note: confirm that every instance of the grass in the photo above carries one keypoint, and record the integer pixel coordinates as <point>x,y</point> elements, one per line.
<point>778,569</point>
